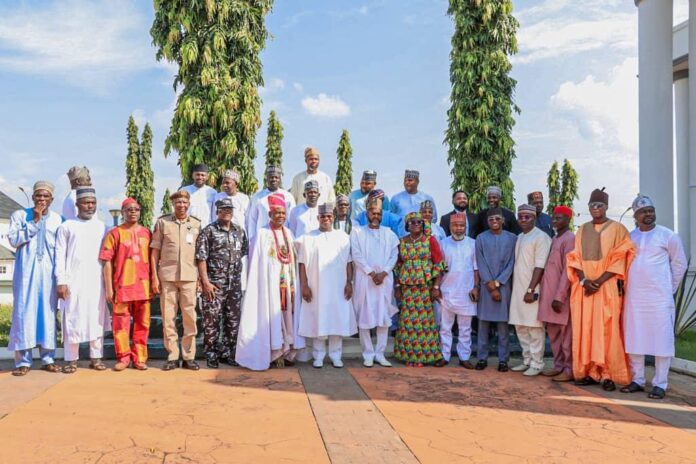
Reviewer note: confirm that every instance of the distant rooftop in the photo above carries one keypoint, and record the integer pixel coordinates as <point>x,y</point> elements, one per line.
<point>8,206</point>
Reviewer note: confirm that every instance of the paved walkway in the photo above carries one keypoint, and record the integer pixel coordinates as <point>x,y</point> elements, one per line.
<point>345,415</point>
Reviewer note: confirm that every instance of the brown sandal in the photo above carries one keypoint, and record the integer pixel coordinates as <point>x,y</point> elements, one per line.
<point>53,367</point>
<point>70,368</point>
<point>21,371</point>
<point>97,365</point>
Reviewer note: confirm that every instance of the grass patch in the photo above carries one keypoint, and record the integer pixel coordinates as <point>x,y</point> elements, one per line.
<point>5,319</point>
<point>686,345</point>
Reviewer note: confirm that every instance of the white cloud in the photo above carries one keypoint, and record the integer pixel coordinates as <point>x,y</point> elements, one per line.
<point>88,44</point>
<point>325,106</point>
<point>297,86</point>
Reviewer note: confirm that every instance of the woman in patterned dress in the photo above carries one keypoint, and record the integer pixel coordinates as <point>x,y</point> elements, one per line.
<point>417,285</point>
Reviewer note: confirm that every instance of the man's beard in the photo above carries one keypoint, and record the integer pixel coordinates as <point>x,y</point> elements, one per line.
<point>461,209</point>
<point>458,237</point>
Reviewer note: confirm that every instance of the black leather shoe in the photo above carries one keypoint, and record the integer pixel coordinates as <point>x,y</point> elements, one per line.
<point>608,385</point>
<point>212,363</point>
<point>232,362</point>
<point>190,365</point>
<point>656,393</point>
<point>632,388</point>
<point>481,365</point>
<point>586,381</point>
<point>170,365</point>
<point>503,367</point>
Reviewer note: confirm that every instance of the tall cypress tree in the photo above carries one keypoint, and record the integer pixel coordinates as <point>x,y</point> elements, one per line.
<point>344,173</point>
<point>480,119</point>
<point>553,182</point>
<point>274,139</point>
<point>569,189</point>
<point>216,45</point>
<point>132,179</point>
<point>146,196</point>
<point>166,203</point>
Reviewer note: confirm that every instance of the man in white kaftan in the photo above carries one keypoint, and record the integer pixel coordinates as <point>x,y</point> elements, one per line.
<point>202,195</point>
<point>531,252</point>
<point>267,330</point>
<point>375,250</point>
<point>648,323</point>
<point>259,209</point>
<point>304,218</point>
<point>82,301</point>
<point>326,275</point>
<point>312,173</point>
<point>460,291</point>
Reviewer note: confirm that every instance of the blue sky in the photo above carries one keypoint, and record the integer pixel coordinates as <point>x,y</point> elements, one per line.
<point>71,72</point>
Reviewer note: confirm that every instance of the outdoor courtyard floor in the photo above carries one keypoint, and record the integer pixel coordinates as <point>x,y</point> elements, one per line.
<point>354,414</point>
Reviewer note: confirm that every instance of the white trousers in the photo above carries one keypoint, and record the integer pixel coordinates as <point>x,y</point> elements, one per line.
<point>464,338</point>
<point>532,343</point>
<point>71,351</point>
<point>335,347</point>
<point>661,376</point>
<point>369,352</point>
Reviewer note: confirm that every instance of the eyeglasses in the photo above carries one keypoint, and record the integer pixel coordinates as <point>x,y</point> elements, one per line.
<point>596,205</point>
<point>495,218</point>
<point>415,221</point>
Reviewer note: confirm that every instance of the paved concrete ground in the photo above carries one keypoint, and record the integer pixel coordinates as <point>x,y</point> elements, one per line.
<point>345,415</point>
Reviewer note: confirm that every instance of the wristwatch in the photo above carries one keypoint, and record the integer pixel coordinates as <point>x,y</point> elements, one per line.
<point>582,282</point>
<point>497,284</point>
<point>436,287</point>
<point>530,291</point>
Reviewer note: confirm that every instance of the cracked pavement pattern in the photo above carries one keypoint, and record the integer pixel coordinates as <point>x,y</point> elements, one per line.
<point>229,415</point>
<point>452,415</point>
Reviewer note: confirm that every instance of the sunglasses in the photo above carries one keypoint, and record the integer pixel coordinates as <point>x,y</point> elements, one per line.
<point>415,221</point>
<point>596,205</point>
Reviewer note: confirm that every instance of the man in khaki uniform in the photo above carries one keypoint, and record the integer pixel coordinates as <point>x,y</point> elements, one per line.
<point>175,276</point>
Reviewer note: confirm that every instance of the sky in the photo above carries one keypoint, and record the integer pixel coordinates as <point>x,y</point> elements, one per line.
<point>73,71</point>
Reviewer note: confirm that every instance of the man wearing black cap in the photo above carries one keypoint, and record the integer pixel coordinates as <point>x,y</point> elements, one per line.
<point>220,248</point>
<point>410,199</point>
<point>202,195</point>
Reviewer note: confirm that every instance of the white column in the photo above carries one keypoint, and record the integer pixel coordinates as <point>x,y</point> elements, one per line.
<point>681,148</point>
<point>692,128</point>
<point>655,105</point>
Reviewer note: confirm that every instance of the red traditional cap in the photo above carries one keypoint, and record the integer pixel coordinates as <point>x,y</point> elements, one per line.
<point>458,217</point>
<point>564,210</point>
<point>129,201</point>
<point>276,200</point>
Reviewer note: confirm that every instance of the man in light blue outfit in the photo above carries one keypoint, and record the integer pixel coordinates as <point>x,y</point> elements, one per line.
<point>410,199</point>
<point>358,197</point>
<point>33,233</point>
<point>390,220</point>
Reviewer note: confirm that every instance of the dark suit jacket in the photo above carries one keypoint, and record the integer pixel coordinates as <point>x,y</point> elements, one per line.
<point>510,221</point>
<point>471,220</point>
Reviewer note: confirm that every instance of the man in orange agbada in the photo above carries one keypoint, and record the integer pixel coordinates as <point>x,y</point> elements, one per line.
<point>597,269</point>
<point>126,259</point>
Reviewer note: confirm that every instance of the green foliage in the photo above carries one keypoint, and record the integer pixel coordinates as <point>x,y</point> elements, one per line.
<point>5,322</point>
<point>569,191</point>
<point>132,184</point>
<point>216,45</point>
<point>686,345</point>
<point>553,181</point>
<point>274,139</point>
<point>563,185</point>
<point>480,119</point>
<point>166,203</point>
<point>146,196</point>
<point>684,319</point>
<point>344,173</point>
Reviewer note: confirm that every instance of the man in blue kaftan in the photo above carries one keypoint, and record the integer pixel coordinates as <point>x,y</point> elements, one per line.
<point>33,233</point>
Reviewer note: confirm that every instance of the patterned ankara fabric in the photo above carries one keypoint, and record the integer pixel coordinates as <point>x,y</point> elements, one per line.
<point>128,249</point>
<point>120,324</point>
<point>418,337</point>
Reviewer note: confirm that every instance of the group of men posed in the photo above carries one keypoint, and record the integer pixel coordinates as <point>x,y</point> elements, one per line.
<point>286,275</point>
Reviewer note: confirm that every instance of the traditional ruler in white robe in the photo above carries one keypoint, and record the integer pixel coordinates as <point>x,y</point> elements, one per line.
<point>303,220</point>
<point>531,251</point>
<point>257,217</point>
<point>263,328</point>
<point>373,250</point>
<point>83,314</point>
<point>654,276</point>
<point>325,256</point>
<point>201,202</point>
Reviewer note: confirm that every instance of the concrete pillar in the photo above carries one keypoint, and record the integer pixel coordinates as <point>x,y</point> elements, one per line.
<point>692,131</point>
<point>655,105</point>
<point>681,148</point>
